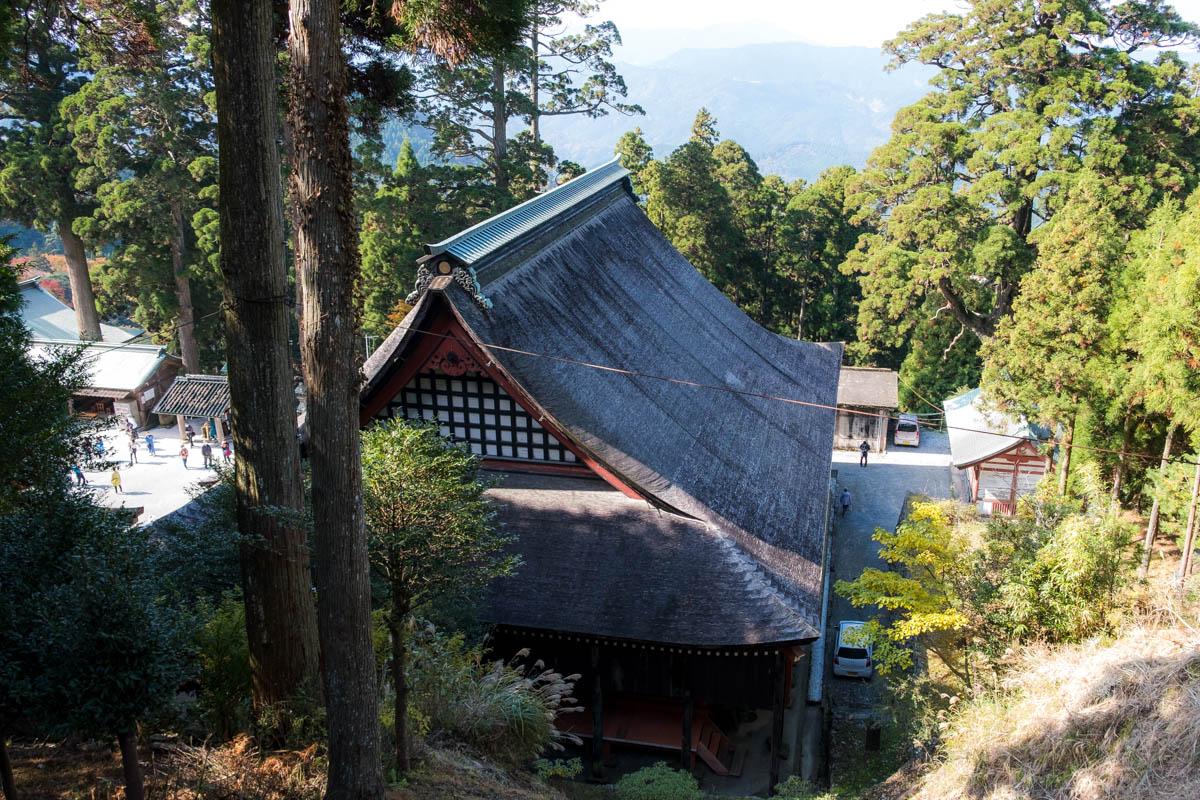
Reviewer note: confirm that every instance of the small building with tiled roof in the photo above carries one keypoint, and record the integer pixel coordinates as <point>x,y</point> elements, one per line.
<point>670,510</point>
<point>125,378</point>
<point>47,317</point>
<point>867,398</point>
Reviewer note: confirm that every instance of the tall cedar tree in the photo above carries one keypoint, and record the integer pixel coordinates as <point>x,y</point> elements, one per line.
<point>328,275</point>
<point>1043,360</point>
<point>774,248</point>
<point>1027,93</point>
<point>471,105</point>
<point>281,623</point>
<point>327,271</point>
<point>688,203</point>
<point>144,132</point>
<point>432,535</point>
<point>1166,375</point>
<point>39,67</point>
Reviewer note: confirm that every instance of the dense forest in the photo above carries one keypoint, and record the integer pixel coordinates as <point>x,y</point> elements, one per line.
<point>213,172</point>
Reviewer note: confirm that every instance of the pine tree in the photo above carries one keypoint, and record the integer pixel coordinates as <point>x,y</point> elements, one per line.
<point>1025,96</point>
<point>473,106</point>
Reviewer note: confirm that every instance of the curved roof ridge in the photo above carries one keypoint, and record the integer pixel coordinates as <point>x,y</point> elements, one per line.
<point>493,233</point>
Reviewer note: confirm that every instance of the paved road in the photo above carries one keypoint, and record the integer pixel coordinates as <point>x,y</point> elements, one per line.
<point>159,484</point>
<point>878,492</point>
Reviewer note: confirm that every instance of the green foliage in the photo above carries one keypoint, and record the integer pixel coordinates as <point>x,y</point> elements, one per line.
<point>794,788</point>
<point>925,592</point>
<point>566,769</point>
<point>969,590</point>
<point>940,363</point>
<point>505,711</point>
<point>197,555</point>
<point>774,248</point>
<point>1027,95</point>
<point>144,132</point>
<point>43,437</point>
<point>659,782</point>
<point>39,66</point>
<point>431,528</point>
<point>554,70</point>
<point>1166,315</point>
<point>407,208</point>
<point>1044,360</point>
<point>223,655</point>
<point>90,644</point>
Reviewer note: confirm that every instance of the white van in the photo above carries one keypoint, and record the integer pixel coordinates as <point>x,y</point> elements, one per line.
<point>908,431</point>
<point>852,652</point>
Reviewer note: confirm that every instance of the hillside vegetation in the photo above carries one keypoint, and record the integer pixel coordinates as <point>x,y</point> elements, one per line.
<point>1099,719</point>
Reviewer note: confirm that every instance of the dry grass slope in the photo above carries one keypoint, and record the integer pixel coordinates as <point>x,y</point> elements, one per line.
<point>1111,719</point>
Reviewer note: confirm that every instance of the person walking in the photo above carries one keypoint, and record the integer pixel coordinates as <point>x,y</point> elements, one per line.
<point>150,444</point>
<point>133,452</point>
<point>183,454</point>
<point>206,451</point>
<point>226,453</point>
<point>190,434</point>
<point>863,448</point>
<point>116,480</point>
<point>79,479</point>
<point>845,501</point>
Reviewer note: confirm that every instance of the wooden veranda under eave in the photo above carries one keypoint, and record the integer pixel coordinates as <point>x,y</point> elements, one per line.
<point>662,697</point>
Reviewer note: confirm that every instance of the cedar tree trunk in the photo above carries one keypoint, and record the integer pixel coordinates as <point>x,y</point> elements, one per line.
<point>281,618</point>
<point>499,135</point>
<point>1122,465</point>
<point>135,789</point>
<point>7,785</point>
<point>82,296</point>
<point>398,622</point>
<point>1189,537</point>
<point>1152,525</point>
<point>534,79</point>
<point>183,291</point>
<point>1064,468</point>
<point>327,267</point>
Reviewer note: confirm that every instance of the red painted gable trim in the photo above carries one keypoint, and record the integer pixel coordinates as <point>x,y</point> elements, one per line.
<point>444,322</point>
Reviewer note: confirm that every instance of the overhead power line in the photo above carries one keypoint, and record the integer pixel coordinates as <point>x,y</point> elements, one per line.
<point>771,397</point>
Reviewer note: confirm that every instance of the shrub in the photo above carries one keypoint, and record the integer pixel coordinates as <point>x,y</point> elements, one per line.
<point>796,789</point>
<point>224,661</point>
<point>563,769</point>
<point>658,782</point>
<point>505,711</point>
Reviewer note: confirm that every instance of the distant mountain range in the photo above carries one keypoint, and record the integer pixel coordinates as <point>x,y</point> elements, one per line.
<point>797,108</point>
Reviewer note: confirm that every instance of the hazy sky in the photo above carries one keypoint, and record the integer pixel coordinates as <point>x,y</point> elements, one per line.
<point>716,23</point>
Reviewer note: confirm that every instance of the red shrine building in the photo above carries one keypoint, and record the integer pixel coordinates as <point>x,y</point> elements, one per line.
<point>997,457</point>
<point>671,513</point>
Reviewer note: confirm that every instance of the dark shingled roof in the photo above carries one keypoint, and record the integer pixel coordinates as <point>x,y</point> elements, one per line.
<point>580,540</point>
<point>599,284</point>
<point>873,387</point>
<point>196,396</point>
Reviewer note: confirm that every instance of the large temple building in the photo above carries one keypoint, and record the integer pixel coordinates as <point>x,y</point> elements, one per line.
<point>663,461</point>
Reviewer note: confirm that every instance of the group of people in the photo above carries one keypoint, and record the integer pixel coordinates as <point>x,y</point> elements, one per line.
<point>208,450</point>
